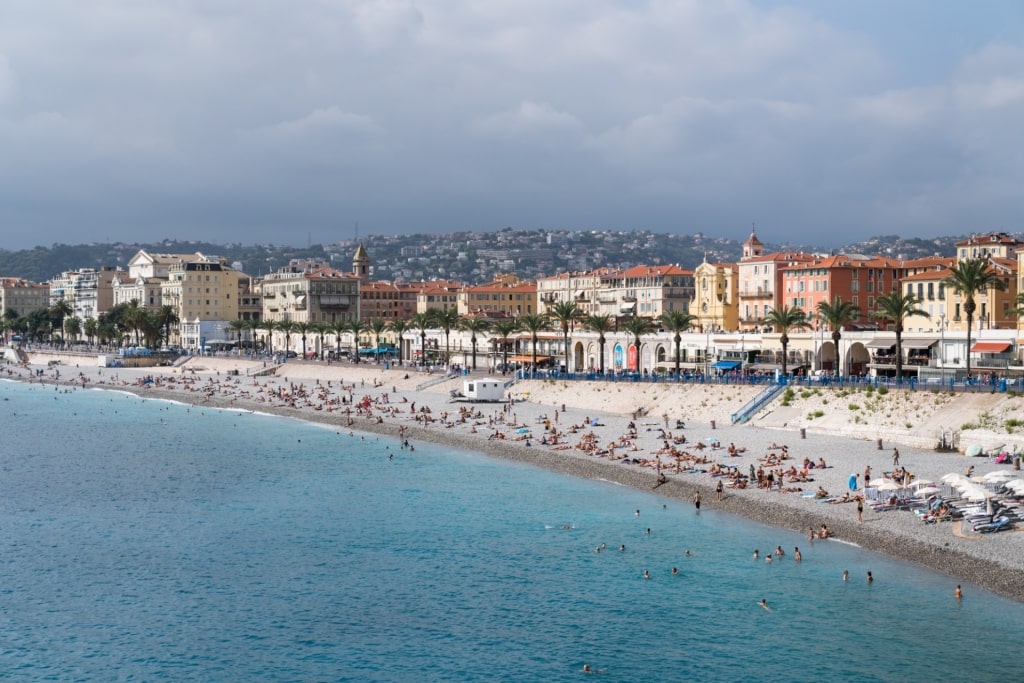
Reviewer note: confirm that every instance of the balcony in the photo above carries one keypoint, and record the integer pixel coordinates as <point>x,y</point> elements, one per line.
<point>760,292</point>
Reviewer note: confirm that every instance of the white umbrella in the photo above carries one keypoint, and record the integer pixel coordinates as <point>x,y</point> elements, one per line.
<point>926,491</point>
<point>889,485</point>
<point>918,483</point>
<point>999,475</point>
<point>951,478</point>
<point>877,483</point>
<point>1015,484</point>
<point>978,494</point>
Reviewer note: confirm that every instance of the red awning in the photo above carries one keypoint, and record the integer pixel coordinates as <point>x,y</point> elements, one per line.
<point>991,347</point>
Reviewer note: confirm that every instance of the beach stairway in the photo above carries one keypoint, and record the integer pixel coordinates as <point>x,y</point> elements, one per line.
<point>755,404</point>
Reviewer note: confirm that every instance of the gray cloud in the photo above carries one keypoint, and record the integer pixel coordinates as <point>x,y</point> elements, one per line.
<point>257,121</point>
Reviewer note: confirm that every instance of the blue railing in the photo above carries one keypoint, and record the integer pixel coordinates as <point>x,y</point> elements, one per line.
<point>991,383</point>
<point>755,404</point>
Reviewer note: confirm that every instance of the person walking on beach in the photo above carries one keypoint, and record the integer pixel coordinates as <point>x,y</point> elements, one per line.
<point>860,510</point>
<point>696,500</point>
<point>895,457</point>
<point>719,490</point>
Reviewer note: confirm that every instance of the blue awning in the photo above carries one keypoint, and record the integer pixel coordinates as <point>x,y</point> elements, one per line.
<point>727,365</point>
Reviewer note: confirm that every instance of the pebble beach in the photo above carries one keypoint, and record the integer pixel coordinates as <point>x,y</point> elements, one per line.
<point>636,427</point>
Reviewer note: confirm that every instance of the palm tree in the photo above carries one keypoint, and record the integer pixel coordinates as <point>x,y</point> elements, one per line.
<point>304,328</point>
<point>783,319</point>
<point>253,325</point>
<point>835,315</point>
<point>321,330</point>
<point>474,326</point>
<point>896,308</point>
<point>378,327</point>
<point>969,278</point>
<point>73,327</point>
<point>133,318</point>
<point>565,313</point>
<point>168,317</point>
<point>423,322</point>
<point>338,328</point>
<point>533,323</point>
<point>286,326</point>
<point>90,327</point>
<point>237,325</point>
<point>638,327</point>
<point>505,329</point>
<point>399,327</point>
<point>356,327</point>
<point>602,324</point>
<point>61,310</point>
<point>677,322</point>
<point>269,326</point>
<point>447,319</point>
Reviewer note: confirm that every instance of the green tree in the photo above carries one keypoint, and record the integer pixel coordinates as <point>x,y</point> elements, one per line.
<point>677,322</point>
<point>637,327</point>
<point>533,323</point>
<point>91,327</point>
<point>896,308</point>
<point>356,327</point>
<point>835,315</point>
<point>602,325</point>
<point>269,326</point>
<point>474,326</point>
<point>72,327</point>
<point>59,311</point>
<point>565,313</point>
<point>133,319</point>
<point>253,325</point>
<point>303,328</point>
<point>399,327</point>
<point>505,329</point>
<point>969,278</point>
<point>422,322</point>
<point>338,328</point>
<point>288,327</point>
<point>783,319</point>
<point>236,326</point>
<point>377,327</point>
<point>447,319</point>
<point>168,319</point>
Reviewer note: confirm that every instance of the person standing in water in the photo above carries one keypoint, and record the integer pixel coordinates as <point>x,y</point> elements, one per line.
<point>696,500</point>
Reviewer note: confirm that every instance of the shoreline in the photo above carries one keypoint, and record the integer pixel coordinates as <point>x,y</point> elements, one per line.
<point>895,534</point>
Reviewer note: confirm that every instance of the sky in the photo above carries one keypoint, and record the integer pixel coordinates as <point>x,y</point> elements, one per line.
<point>257,121</point>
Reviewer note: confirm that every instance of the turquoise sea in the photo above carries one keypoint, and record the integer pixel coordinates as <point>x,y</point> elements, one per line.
<point>150,541</point>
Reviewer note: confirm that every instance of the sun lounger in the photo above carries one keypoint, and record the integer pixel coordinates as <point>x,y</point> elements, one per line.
<point>1000,524</point>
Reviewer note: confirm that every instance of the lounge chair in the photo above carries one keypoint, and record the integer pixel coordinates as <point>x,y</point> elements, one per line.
<point>1000,524</point>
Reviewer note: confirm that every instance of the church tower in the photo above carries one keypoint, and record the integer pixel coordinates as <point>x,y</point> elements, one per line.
<point>752,247</point>
<point>361,265</point>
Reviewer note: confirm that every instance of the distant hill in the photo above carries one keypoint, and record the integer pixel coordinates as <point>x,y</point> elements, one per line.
<point>472,257</point>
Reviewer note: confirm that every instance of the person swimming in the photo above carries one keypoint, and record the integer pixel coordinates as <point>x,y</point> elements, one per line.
<point>757,553</point>
<point>675,571</point>
<point>647,574</point>
<point>764,603</point>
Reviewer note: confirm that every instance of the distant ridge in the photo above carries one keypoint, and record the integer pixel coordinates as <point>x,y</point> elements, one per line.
<point>472,257</point>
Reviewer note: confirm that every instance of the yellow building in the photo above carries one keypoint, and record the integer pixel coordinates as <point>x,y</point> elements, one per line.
<point>714,303</point>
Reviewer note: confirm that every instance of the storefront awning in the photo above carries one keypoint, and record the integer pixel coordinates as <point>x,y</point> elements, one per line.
<point>919,343</point>
<point>726,365</point>
<point>991,347</point>
<point>528,358</point>
<point>880,344</point>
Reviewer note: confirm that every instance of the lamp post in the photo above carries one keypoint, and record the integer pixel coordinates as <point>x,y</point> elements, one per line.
<point>942,345</point>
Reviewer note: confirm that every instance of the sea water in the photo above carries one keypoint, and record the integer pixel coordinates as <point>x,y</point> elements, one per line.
<point>151,541</point>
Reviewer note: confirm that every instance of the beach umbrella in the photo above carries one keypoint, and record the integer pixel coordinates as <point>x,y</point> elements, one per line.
<point>877,483</point>
<point>974,450</point>
<point>978,494</point>
<point>920,483</point>
<point>926,491</point>
<point>1015,484</point>
<point>999,475</point>
<point>889,485</point>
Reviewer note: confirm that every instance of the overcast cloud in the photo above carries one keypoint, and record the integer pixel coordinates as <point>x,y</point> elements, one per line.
<point>260,121</point>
